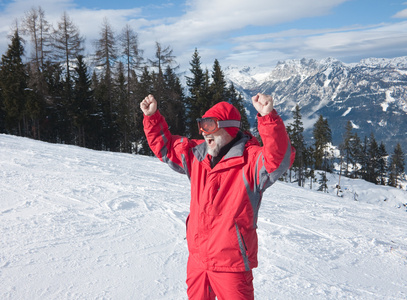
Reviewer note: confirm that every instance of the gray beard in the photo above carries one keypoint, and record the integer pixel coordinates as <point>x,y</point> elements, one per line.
<point>220,141</point>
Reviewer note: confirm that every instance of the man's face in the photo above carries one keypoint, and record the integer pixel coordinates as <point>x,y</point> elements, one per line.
<point>215,141</point>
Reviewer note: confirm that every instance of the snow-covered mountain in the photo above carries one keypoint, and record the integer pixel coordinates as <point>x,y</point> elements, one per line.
<point>82,224</point>
<point>372,94</point>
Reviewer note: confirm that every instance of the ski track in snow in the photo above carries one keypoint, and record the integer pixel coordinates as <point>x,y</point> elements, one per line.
<point>83,224</point>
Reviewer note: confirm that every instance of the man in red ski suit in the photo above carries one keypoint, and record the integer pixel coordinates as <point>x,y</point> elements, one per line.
<point>228,171</point>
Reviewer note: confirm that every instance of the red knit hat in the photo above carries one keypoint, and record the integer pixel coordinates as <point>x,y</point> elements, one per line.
<point>224,111</point>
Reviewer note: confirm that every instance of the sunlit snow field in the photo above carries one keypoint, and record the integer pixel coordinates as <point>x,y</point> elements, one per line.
<point>82,224</point>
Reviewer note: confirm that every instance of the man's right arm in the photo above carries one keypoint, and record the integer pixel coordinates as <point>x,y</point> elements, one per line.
<point>171,149</point>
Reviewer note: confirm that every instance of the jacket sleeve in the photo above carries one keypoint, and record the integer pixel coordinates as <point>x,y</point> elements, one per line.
<point>277,154</point>
<point>171,149</point>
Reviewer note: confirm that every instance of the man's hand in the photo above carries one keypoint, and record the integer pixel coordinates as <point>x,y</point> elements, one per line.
<point>263,104</point>
<point>149,105</point>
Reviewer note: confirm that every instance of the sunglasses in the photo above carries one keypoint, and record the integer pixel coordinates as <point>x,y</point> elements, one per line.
<point>211,125</point>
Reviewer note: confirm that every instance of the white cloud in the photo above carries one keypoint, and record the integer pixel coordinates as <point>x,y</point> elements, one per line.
<point>209,23</point>
<point>207,20</point>
<point>401,14</point>
<point>213,27</point>
<point>240,13</point>
<point>348,43</point>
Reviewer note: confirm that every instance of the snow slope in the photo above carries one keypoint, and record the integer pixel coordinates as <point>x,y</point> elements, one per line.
<point>83,224</point>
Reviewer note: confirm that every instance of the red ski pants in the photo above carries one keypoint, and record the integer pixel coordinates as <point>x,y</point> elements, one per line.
<point>206,285</point>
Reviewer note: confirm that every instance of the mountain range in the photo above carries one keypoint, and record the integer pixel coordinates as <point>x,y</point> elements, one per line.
<point>372,94</point>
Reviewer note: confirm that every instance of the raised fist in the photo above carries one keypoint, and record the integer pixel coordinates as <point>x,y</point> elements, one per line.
<point>149,105</point>
<point>263,104</point>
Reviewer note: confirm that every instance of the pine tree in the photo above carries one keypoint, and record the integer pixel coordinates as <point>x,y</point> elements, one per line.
<point>131,52</point>
<point>82,105</point>
<point>123,110</point>
<point>217,87</point>
<point>13,85</point>
<point>145,87</point>
<point>309,164</point>
<point>372,169</point>
<point>345,146</point>
<point>357,155</point>
<point>364,159</point>
<point>382,163</point>
<point>38,28</point>
<point>68,44</point>
<point>322,136</point>
<point>53,127</point>
<point>397,165</point>
<point>206,93</point>
<point>97,123</point>
<point>295,131</point>
<point>163,57</point>
<point>236,100</point>
<point>35,111</point>
<point>159,91</point>
<point>196,86</point>
<point>105,58</point>
<point>175,114</point>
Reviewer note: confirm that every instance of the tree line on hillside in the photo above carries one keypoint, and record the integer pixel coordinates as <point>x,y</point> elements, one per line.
<point>56,94</point>
<point>365,159</point>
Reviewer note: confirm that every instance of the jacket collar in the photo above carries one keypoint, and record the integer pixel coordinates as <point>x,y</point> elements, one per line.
<point>200,151</point>
<point>238,147</point>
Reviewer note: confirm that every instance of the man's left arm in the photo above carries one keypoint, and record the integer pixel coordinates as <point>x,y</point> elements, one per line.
<point>277,150</point>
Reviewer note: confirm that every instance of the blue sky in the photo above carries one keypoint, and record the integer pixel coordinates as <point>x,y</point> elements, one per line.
<point>237,32</point>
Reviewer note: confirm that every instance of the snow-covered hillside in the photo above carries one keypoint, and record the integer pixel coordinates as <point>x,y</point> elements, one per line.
<point>82,224</point>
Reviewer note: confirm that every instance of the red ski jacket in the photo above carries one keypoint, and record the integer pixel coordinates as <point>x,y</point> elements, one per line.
<point>225,200</point>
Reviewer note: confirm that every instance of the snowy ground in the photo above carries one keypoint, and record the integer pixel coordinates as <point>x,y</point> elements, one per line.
<point>82,224</point>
